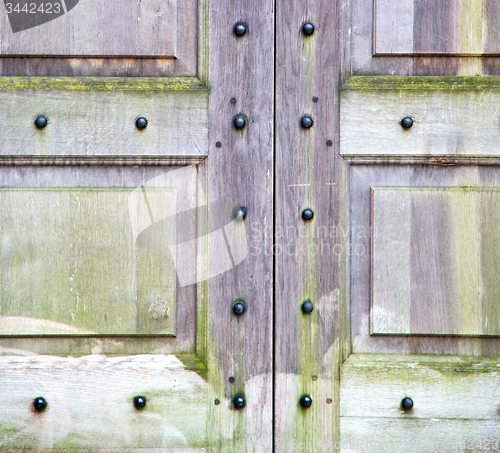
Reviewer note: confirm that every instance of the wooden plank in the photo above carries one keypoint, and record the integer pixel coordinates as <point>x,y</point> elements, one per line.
<point>310,257</point>
<point>90,404</point>
<point>446,121</point>
<point>110,28</point>
<point>455,401</point>
<point>393,27</point>
<point>442,283</point>
<point>239,172</point>
<point>67,269</point>
<point>441,387</point>
<point>461,27</point>
<point>428,178</point>
<point>419,436</point>
<point>97,117</point>
<point>126,180</point>
<point>391,261</point>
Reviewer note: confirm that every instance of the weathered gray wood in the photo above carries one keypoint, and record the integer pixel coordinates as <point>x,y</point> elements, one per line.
<point>455,399</point>
<point>451,117</point>
<point>462,27</point>
<point>391,262</point>
<point>90,404</point>
<point>428,179</point>
<point>120,178</point>
<point>310,256</point>
<point>97,116</point>
<point>110,28</point>
<point>67,268</point>
<point>240,173</point>
<point>439,287</point>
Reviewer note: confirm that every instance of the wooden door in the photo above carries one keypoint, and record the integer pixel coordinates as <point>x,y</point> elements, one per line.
<point>127,194</point>
<point>400,259</point>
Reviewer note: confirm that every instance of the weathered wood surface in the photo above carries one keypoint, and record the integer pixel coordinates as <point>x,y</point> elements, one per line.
<point>92,116</point>
<point>456,399</point>
<point>71,262</point>
<point>433,255</point>
<point>239,171</point>
<point>128,181</point>
<point>310,262</point>
<point>461,27</point>
<point>108,28</point>
<point>451,117</point>
<point>438,246</point>
<point>90,404</point>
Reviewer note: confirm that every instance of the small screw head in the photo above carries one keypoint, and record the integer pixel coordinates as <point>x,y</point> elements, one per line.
<point>139,402</point>
<point>40,404</point>
<point>307,214</point>
<point>41,122</point>
<point>305,401</point>
<point>306,122</point>
<point>307,306</point>
<point>239,402</point>
<point>407,122</point>
<point>141,123</point>
<point>239,308</point>
<point>239,29</point>
<point>308,28</point>
<point>406,403</point>
<point>240,122</point>
<point>240,214</point>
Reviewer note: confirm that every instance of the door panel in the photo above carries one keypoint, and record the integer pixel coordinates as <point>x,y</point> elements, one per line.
<point>154,254</point>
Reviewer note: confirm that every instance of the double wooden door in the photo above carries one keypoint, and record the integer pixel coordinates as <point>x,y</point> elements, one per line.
<point>179,178</point>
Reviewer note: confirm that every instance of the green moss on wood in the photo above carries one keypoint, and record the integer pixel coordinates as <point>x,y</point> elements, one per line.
<point>416,83</point>
<point>137,84</point>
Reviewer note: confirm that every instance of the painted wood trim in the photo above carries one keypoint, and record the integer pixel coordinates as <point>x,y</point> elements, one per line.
<point>95,161</point>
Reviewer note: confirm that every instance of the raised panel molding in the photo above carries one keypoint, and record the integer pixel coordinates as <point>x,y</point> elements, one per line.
<point>453,118</point>
<point>435,256</point>
<point>413,27</point>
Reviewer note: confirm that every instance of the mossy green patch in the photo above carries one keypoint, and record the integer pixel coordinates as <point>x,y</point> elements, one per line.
<point>138,84</point>
<point>417,83</point>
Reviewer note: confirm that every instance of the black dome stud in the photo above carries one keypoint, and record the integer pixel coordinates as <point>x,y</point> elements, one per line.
<point>306,122</point>
<point>141,123</point>
<point>407,122</point>
<point>41,122</point>
<point>139,402</point>
<point>40,404</point>
<point>305,401</point>
<point>239,122</point>
<point>407,403</point>
<point>308,28</point>
<point>239,308</point>
<point>307,307</point>
<point>239,402</point>
<point>239,29</point>
<point>307,214</point>
<point>240,213</point>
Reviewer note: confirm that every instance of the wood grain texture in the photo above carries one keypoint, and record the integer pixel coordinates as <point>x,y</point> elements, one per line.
<point>448,118</point>
<point>90,404</point>
<point>239,172</point>
<point>111,28</point>
<point>126,180</point>
<point>461,27</point>
<point>309,256</point>
<point>97,117</point>
<point>455,399</point>
<point>435,217</point>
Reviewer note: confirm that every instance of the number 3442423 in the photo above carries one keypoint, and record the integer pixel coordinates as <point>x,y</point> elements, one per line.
<point>32,8</point>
